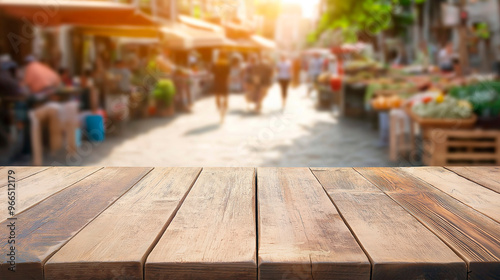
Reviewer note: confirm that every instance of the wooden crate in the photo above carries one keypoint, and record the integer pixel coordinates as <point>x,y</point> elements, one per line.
<point>462,147</point>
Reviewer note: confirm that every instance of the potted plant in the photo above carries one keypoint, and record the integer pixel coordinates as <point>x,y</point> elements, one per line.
<point>164,93</point>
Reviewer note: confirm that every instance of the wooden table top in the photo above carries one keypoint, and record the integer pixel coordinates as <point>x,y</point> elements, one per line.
<point>246,223</point>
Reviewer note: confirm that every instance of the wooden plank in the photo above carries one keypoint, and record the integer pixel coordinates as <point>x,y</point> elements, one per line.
<point>476,196</point>
<point>471,156</point>
<point>45,228</point>
<point>472,235</point>
<point>116,243</point>
<point>398,245</point>
<point>301,235</point>
<point>488,177</point>
<point>213,235</point>
<point>38,187</point>
<point>21,173</point>
<point>471,144</point>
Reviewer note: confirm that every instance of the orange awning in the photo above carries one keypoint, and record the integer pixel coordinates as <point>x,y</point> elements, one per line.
<point>78,12</point>
<point>183,37</point>
<point>200,24</point>
<point>263,42</point>
<point>121,31</point>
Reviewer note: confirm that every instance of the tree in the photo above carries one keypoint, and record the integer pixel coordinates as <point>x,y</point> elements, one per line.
<point>365,16</point>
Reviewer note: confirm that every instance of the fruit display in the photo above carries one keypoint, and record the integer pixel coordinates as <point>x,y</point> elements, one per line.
<point>442,107</point>
<point>381,102</point>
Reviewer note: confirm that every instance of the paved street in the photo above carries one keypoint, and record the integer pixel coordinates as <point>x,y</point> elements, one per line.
<point>299,136</point>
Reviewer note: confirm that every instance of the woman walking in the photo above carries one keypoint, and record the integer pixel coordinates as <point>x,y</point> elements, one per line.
<point>252,81</point>
<point>284,77</point>
<point>221,72</point>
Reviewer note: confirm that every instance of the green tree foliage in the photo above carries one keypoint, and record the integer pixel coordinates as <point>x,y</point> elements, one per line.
<point>364,16</point>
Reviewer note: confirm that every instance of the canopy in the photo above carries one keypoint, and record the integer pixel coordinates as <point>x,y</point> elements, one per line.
<point>200,24</point>
<point>263,42</point>
<point>78,12</point>
<point>243,45</point>
<point>183,37</point>
<point>121,31</point>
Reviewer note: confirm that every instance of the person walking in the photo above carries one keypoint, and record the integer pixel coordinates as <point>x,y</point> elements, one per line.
<point>221,71</point>
<point>296,69</point>
<point>315,68</point>
<point>265,70</point>
<point>252,80</point>
<point>284,77</point>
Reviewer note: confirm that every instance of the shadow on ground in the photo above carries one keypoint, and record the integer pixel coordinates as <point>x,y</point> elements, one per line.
<point>348,143</point>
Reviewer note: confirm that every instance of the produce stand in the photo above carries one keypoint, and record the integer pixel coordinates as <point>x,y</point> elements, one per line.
<point>462,147</point>
<point>450,132</point>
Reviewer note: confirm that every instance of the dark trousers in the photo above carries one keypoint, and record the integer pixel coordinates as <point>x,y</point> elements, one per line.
<point>284,87</point>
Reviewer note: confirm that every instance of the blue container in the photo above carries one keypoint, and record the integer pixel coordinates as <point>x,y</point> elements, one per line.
<point>78,137</point>
<point>95,128</point>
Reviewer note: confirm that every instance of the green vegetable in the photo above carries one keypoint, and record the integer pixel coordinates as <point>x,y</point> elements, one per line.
<point>484,97</point>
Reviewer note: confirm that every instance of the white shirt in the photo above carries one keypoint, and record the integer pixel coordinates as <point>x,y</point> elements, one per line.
<point>315,66</point>
<point>284,70</point>
<point>444,58</point>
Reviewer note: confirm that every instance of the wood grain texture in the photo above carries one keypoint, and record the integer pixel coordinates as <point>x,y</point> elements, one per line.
<point>476,196</point>
<point>472,235</point>
<point>115,244</point>
<point>21,173</point>
<point>488,177</point>
<point>301,235</point>
<point>38,187</point>
<point>398,245</point>
<point>45,228</point>
<point>213,235</point>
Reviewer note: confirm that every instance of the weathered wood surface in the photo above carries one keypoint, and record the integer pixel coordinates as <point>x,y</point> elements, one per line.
<point>398,245</point>
<point>39,186</point>
<point>178,223</point>
<point>472,235</point>
<point>45,228</point>
<point>472,194</point>
<point>116,244</point>
<point>213,235</point>
<point>21,173</point>
<point>301,235</point>
<point>488,177</point>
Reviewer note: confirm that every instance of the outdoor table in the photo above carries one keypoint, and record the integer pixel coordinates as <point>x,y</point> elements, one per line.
<point>246,223</point>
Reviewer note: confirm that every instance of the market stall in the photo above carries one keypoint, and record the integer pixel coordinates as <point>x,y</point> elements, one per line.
<point>457,123</point>
<point>111,17</point>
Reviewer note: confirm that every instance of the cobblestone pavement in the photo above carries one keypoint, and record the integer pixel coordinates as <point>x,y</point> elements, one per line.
<point>296,137</point>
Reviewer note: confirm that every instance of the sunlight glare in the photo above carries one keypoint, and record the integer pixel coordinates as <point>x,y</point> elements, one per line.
<point>309,7</point>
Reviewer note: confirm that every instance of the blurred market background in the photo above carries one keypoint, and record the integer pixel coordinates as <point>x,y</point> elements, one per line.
<point>250,82</point>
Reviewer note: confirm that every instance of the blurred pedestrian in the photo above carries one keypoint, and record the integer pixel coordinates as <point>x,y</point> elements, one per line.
<point>235,77</point>
<point>296,69</point>
<point>252,80</point>
<point>284,77</point>
<point>38,77</point>
<point>445,58</point>
<point>315,68</point>
<point>265,71</point>
<point>221,71</point>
